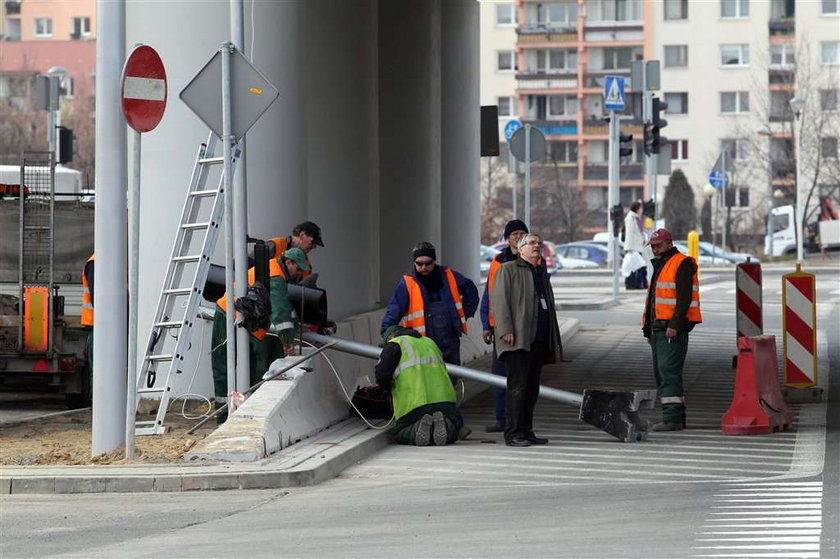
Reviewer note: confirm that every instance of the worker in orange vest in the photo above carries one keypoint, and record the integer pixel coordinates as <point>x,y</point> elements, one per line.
<point>306,236</point>
<point>672,308</point>
<point>434,300</point>
<point>86,318</point>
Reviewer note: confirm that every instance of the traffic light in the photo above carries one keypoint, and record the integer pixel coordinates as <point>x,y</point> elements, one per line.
<point>649,208</point>
<point>65,144</point>
<point>658,124</point>
<point>625,147</point>
<point>617,218</point>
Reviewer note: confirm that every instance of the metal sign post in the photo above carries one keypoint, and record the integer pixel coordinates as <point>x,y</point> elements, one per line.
<point>143,103</point>
<point>528,145</point>
<point>613,101</point>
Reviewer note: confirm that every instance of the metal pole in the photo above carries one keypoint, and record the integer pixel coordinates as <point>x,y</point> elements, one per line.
<point>51,137</point>
<point>612,197</point>
<point>528,175</point>
<point>133,285</point>
<point>799,214</point>
<point>240,218</point>
<point>111,235</point>
<point>512,164</point>
<point>650,160</point>
<point>230,327</point>
<point>724,203</point>
<point>771,219</point>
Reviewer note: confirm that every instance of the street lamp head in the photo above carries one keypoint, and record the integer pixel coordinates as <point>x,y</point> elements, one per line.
<point>796,105</point>
<point>778,194</point>
<point>709,190</point>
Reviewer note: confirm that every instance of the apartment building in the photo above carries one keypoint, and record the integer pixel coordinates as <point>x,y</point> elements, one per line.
<point>728,71</point>
<point>48,20</point>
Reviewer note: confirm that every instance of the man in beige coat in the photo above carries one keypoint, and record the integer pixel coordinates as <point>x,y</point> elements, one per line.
<point>527,336</point>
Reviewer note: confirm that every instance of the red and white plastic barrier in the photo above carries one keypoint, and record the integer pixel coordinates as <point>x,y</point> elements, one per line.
<point>757,406</point>
<point>750,320</point>
<point>800,327</point>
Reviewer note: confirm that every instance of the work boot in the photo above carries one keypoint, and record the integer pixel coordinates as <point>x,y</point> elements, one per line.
<point>424,431</point>
<point>220,417</point>
<point>439,434</point>
<point>533,439</point>
<point>464,432</point>
<point>668,426</point>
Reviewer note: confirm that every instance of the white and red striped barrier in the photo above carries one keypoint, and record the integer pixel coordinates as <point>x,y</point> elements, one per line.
<point>800,327</point>
<point>749,317</point>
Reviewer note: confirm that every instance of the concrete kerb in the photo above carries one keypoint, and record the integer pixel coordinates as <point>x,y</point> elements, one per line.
<point>309,462</point>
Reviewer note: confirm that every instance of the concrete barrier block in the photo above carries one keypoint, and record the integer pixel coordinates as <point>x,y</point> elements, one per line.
<point>209,481</point>
<point>5,486</point>
<point>130,484</point>
<point>80,485</point>
<point>167,483</point>
<point>33,485</point>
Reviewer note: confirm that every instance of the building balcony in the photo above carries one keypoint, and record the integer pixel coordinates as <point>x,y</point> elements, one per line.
<point>782,169</point>
<point>780,75</point>
<point>782,27</point>
<point>532,79</point>
<point>554,127</point>
<point>596,78</point>
<point>12,7</point>
<point>600,171</point>
<point>600,127</point>
<point>554,33</point>
<point>781,116</point>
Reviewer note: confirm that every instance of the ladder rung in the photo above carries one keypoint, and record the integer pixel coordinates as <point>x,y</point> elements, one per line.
<point>188,258</point>
<point>204,193</point>
<point>37,227</point>
<point>178,291</point>
<point>211,161</point>
<point>170,324</point>
<point>199,225</point>
<point>161,357</point>
<point>151,391</point>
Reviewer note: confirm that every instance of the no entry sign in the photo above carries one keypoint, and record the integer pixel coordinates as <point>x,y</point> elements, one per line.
<point>143,89</point>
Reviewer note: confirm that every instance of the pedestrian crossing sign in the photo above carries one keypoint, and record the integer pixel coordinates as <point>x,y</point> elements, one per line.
<point>614,93</point>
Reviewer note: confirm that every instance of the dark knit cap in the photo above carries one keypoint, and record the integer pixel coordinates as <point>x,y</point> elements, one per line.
<point>515,225</point>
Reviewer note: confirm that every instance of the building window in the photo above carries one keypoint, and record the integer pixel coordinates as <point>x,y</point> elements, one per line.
<point>505,15</point>
<point>831,7</point>
<point>781,55</point>
<point>677,103</point>
<point>621,58</point>
<point>736,149</point>
<point>562,105</point>
<point>614,10</point>
<point>679,150</point>
<point>557,13</point>
<point>676,56</point>
<point>829,148</point>
<point>734,8</point>
<point>828,99</point>
<point>564,152</point>
<point>81,27</point>
<point>734,102</point>
<point>505,61</point>
<point>735,55</point>
<point>676,9</point>
<point>780,105</point>
<point>43,27</point>
<point>506,106</point>
<point>551,60</point>
<point>830,52</point>
<point>737,196</point>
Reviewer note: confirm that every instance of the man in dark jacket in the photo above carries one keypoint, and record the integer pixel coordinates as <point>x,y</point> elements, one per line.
<point>672,308</point>
<point>434,300</point>
<point>411,367</point>
<point>526,334</point>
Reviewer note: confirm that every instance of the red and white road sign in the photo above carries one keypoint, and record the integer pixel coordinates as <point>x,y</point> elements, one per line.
<point>749,319</point>
<point>144,89</point>
<point>800,326</point>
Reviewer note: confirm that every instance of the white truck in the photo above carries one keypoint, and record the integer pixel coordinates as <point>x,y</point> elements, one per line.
<point>822,234</point>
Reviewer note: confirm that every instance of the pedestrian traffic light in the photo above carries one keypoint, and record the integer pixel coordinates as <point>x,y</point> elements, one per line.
<point>65,144</point>
<point>625,142</point>
<point>659,123</point>
<point>617,217</point>
<point>649,208</point>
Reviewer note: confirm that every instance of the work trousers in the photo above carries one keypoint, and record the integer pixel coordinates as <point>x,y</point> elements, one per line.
<point>499,394</point>
<point>405,430</point>
<point>668,361</point>
<point>523,386</point>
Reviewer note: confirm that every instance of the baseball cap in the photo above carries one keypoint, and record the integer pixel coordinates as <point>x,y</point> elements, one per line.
<point>311,229</point>
<point>298,257</point>
<point>660,236</point>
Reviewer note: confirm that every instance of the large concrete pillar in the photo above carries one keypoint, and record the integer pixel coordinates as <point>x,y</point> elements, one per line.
<point>341,150</point>
<point>409,132</point>
<point>460,136</point>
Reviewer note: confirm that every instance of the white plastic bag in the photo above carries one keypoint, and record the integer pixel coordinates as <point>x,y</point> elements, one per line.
<point>632,262</point>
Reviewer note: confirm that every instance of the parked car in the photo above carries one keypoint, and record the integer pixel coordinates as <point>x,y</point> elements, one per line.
<point>592,252</point>
<point>552,263</point>
<point>710,253</point>
<point>486,256</point>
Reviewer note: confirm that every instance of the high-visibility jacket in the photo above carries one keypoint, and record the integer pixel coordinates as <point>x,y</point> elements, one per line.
<point>416,315</point>
<point>420,377</point>
<point>274,270</point>
<point>665,296</point>
<point>87,298</point>
<point>281,245</point>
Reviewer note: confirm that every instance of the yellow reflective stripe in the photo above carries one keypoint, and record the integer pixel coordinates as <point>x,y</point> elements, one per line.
<point>283,326</point>
<point>664,301</point>
<point>413,316</point>
<point>666,284</point>
<point>87,306</point>
<point>672,399</point>
<point>459,305</point>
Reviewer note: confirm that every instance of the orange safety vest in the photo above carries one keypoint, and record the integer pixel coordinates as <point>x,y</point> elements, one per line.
<point>274,270</point>
<point>416,315</point>
<point>665,296</point>
<point>281,245</point>
<point>87,300</point>
<point>491,279</point>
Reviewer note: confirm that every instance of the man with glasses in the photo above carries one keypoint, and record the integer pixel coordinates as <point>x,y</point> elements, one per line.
<point>526,334</point>
<point>672,308</point>
<point>434,300</point>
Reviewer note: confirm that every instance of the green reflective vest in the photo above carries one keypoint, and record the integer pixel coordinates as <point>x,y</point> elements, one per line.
<point>421,376</point>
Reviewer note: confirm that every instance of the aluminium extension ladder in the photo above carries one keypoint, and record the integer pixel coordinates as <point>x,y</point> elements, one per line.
<point>186,272</point>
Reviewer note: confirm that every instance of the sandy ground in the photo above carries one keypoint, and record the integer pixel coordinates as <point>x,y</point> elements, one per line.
<point>66,439</point>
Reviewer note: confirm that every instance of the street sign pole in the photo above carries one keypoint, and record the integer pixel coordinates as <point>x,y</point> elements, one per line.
<point>613,197</point>
<point>724,203</point>
<point>528,175</point>
<point>227,139</point>
<point>515,190</point>
<point>133,286</point>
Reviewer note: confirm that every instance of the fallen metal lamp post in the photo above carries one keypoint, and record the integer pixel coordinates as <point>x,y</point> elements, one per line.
<point>614,411</point>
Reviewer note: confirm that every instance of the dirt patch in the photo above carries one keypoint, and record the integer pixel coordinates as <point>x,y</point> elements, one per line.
<point>66,439</point>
